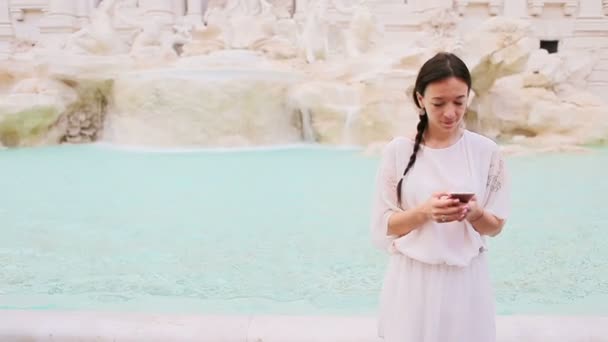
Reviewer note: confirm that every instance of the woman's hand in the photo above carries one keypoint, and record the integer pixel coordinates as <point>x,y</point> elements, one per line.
<point>474,211</point>
<point>483,222</point>
<point>441,208</point>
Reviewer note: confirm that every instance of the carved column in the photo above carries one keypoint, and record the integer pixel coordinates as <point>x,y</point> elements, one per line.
<point>194,11</point>
<point>6,27</point>
<point>301,7</point>
<point>83,12</point>
<point>60,17</point>
<point>179,8</point>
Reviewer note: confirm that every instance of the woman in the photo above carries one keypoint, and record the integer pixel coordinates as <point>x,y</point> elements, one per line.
<point>437,286</point>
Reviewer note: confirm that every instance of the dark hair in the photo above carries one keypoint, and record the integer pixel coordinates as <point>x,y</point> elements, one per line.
<point>443,65</point>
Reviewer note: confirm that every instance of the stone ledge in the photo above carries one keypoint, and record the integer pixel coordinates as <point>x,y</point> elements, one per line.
<point>43,326</point>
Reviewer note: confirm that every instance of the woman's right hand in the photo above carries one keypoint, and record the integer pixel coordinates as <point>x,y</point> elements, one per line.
<point>441,208</point>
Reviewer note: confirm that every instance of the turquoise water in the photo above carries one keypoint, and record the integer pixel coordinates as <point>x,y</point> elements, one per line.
<point>267,231</point>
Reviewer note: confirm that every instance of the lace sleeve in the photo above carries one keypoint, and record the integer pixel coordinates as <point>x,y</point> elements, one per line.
<point>497,198</point>
<point>384,199</point>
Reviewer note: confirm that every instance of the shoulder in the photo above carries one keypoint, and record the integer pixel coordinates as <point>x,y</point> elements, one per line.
<point>481,143</point>
<point>397,144</point>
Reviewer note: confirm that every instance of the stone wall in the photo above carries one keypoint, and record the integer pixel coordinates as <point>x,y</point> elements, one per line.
<point>577,25</point>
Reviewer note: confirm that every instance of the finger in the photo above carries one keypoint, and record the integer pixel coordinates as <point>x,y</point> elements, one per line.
<point>440,194</point>
<point>463,216</point>
<point>459,216</point>
<point>450,218</point>
<point>446,203</point>
<point>453,210</point>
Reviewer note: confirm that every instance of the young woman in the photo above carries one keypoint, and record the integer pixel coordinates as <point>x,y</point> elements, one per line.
<point>437,286</point>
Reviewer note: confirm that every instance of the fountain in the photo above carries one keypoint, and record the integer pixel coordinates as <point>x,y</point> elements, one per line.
<point>253,74</point>
<point>111,231</point>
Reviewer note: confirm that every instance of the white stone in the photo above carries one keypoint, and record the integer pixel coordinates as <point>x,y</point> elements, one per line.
<point>131,327</point>
<point>7,31</point>
<point>28,119</point>
<point>212,108</point>
<point>346,69</point>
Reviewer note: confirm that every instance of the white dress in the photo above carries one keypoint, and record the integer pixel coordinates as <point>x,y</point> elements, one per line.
<point>437,286</point>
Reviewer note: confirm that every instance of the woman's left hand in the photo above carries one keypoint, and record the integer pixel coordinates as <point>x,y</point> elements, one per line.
<point>474,211</point>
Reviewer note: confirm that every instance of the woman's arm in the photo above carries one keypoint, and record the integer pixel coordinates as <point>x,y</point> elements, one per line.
<point>403,222</point>
<point>484,222</point>
<point>490,218</point>
<point>439,208</point>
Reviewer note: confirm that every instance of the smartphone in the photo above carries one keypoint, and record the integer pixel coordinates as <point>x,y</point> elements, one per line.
<point>463,197</point>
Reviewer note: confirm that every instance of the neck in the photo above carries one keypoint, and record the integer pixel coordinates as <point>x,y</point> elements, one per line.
<point>438,139</point>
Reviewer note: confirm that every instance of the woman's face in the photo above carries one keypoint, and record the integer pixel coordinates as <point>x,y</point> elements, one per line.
<point>445,103</point>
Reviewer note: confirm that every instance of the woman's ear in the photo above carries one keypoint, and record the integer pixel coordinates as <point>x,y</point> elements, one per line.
<point>420,100</point>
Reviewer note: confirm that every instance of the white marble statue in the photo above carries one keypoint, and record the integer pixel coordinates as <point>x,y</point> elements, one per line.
<point>99,36</point>
<point>314,37</point>
<point>241,22</point>
<point>204,39</point>
<point>439,30</point>
<point>261,72</point>
<point>363,32</point>
<point>155,42</point>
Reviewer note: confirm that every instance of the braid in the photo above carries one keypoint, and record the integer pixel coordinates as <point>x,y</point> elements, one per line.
<point>424,119</point>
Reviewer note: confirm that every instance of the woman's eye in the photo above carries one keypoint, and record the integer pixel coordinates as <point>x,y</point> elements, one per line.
<point>437,104</point>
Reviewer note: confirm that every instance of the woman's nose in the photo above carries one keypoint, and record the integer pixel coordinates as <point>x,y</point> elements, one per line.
<point>450,112</point>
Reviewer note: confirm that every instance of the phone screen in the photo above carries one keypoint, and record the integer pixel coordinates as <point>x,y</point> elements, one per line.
<point>462,197</point>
